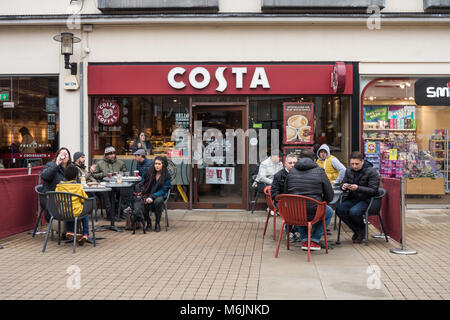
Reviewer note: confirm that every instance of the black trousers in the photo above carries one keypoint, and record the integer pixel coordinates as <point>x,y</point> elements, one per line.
<point>157,206</point>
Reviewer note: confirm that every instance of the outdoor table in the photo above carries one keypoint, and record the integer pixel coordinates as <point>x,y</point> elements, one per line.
<point>124,179</point>
<point>93,190</point>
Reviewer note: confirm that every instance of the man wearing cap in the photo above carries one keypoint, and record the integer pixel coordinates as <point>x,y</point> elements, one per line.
<point>110,164</point>
<point>143,164</point>
<point>79,159</point>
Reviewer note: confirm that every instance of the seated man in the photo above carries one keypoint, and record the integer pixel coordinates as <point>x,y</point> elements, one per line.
<point>277,186</point>
<point>143,164</point>
<point>268,168</point>
<point>79,160</point>
<point>360,183</point>
<point>334,169</point>
<point>110,164</point>
<point>71,185</point>
<point>307,179</point>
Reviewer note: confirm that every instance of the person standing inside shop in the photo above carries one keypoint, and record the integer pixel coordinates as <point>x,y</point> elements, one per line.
<point>27,145</point>
<point>360,183</point>
<point>334,169</point>
<point>141,143</point>
<point>53,174</point>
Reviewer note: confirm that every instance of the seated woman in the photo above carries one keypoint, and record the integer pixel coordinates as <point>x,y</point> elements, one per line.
<point>71,185</point>
<point>155,189</point>
<point>141,143</point>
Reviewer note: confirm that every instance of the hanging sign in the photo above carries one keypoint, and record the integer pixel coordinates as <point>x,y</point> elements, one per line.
<point>107,112</point>
<point>432,92</point>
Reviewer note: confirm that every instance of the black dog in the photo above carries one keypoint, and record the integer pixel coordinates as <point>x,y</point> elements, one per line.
<point>136,214</point>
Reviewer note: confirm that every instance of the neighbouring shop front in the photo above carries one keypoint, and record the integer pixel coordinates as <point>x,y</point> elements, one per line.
<point>29,120</point>
<point>405,131</point>
<point>285,106</point>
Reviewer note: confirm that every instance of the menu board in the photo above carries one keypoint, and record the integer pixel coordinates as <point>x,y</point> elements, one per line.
<point>219,175</point>
<point>298,122</point>
<point>293,150</point>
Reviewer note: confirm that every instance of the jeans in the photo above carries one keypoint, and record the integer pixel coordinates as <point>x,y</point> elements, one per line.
<point>85,223</point>
<point>351,213</point>
<point>317,228</point>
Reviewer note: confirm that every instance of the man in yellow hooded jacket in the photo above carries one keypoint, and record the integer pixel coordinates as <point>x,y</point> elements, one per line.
<point>334,169</point>
<point>71,185</point>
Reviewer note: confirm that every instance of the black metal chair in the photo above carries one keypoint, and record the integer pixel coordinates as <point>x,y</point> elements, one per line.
<point>373,209</point>
<point>42,199</point>
<point>59,205</point>
<point>165,209</point>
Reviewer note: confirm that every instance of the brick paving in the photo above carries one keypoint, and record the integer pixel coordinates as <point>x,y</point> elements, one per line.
<point>213,255</point>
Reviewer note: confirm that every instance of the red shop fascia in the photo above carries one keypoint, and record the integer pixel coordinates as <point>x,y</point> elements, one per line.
<point>213,79</point>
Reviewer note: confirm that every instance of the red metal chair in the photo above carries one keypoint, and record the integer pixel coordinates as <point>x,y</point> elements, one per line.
<point>272,207</point>
<point>292,209</point>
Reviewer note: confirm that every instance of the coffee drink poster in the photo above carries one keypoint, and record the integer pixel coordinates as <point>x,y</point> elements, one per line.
<point>219,175</point>
<point>298,122</point>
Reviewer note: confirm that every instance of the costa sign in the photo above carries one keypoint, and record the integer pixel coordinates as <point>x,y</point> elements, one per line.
<point>338,77</point>
<point>259,78</point>
<point>432,92</point>
<point>107,112</point>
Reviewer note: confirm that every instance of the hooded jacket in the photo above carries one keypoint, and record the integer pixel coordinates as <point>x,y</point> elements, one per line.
<point>334,169</point>
<point>306,178</point>
<point>106,166</point>
<point>367,180</point>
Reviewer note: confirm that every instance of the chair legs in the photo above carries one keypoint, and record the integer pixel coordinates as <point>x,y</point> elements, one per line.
<point>75,235</point>
<point>37,222</point>
<point>274,224</point>
<point>367,228</point>
<point>309,241</point>
<point>382,227</point>
<point>167,217</point>
<point>279,240</point>
<point>338,240</point>
<point>93,228</point>
<point>47,234</point>
<point>267,222</point>
<point>254,201</point>
<point>325,233</point>
<point>287,235</point>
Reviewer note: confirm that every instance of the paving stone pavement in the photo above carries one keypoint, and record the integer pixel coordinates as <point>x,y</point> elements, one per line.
<point>222,255</point>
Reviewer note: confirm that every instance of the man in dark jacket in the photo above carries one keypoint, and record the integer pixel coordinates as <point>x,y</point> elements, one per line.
<point>143,164</point>
<point>308,179</point>
<point>360,183</point>
<point>279,178</point>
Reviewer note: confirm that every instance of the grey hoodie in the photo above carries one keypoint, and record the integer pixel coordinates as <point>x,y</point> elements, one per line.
<point>334,162</point>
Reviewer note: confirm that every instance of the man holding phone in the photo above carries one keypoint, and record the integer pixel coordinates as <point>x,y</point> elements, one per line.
<point>360,183</point>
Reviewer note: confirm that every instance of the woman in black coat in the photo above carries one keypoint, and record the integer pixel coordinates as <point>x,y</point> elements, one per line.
<point>53,173</point>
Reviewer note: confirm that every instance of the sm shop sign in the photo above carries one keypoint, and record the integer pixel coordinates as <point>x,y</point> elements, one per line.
<point>432,92</point>
<point>208,79</point>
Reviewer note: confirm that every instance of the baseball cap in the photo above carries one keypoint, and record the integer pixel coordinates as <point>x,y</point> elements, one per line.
<point>139,152</point>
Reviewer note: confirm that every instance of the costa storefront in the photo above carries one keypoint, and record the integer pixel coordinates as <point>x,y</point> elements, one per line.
<point>173,104</point>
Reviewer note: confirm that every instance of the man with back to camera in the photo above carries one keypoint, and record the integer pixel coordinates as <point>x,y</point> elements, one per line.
<point>307,179</point>
<point>360,183</point>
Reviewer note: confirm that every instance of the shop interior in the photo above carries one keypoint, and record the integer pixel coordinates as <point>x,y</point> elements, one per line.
<point>403,139</point>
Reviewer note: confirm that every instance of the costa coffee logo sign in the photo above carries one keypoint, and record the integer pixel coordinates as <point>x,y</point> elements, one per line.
<point>200,78</point>
<point>107,112</point>
<point>432,91</point>
<point>338,77</point>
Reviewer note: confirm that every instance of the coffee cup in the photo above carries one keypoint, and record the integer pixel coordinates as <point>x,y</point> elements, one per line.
<point>136,173</point>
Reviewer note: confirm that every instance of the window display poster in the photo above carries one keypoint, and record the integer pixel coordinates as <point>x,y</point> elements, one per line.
<point>375,113</point>
<point>392,154</point>
<point>219,175</point>
<point>51,104</point>
<point>372,147</point>
<point>298,122</point>
<point>293,150</point>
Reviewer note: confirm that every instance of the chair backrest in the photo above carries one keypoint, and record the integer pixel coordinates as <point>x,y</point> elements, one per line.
<point>269,199</point>
<point>376,202</point>
<point>167,198</point>
<point>59,205</point>
<point>39,191</point>
<point>292,209</point>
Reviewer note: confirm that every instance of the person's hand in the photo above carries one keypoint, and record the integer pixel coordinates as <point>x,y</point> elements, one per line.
<point>92,168</point>
<point>345,186</point>
<point>139,145</point>
<point>353,187</point>
<point>149,200</point>
<point>58,160</point>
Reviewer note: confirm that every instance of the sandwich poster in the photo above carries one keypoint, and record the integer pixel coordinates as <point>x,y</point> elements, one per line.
<point>298,122</point>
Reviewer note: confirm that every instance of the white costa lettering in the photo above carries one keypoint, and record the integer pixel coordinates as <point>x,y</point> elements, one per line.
<point>259,78</point>
<point>440,92</point>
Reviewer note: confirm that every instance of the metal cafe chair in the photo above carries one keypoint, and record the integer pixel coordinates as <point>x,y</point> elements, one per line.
<point>273,208</point>
<point>59,205</point>
<point>41,196</point>
<point>373,209</point>
<point>292,209</point>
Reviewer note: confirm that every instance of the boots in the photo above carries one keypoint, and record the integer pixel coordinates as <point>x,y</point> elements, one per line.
<point>157,228</point>
<point>149,225</point>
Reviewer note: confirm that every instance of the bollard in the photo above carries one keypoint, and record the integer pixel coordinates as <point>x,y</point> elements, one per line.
<point>403,249</point>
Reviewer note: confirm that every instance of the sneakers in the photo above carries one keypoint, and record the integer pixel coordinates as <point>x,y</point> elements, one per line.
<point>314,246</point>
<point>83,240</point>
<point>294,237</point>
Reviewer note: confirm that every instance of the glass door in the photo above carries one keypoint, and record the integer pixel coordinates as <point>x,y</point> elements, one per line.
<point>220,173</point>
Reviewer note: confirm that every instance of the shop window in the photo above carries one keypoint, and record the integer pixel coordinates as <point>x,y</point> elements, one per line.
<point>436,5</point>
<point>28,130</point>
<point>158,117</point>
<point>164,5</point>
<point>320,5</point>
<point>331,123</point>
<point>403,139</point>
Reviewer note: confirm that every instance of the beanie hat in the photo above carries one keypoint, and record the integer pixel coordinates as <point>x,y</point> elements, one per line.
<point>77,155</point>
<point>110,149</point>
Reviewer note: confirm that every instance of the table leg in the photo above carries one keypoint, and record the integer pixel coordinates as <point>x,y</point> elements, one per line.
<point>111,226</point>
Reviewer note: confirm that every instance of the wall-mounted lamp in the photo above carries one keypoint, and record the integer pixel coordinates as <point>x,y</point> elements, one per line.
<point>67,40</point>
